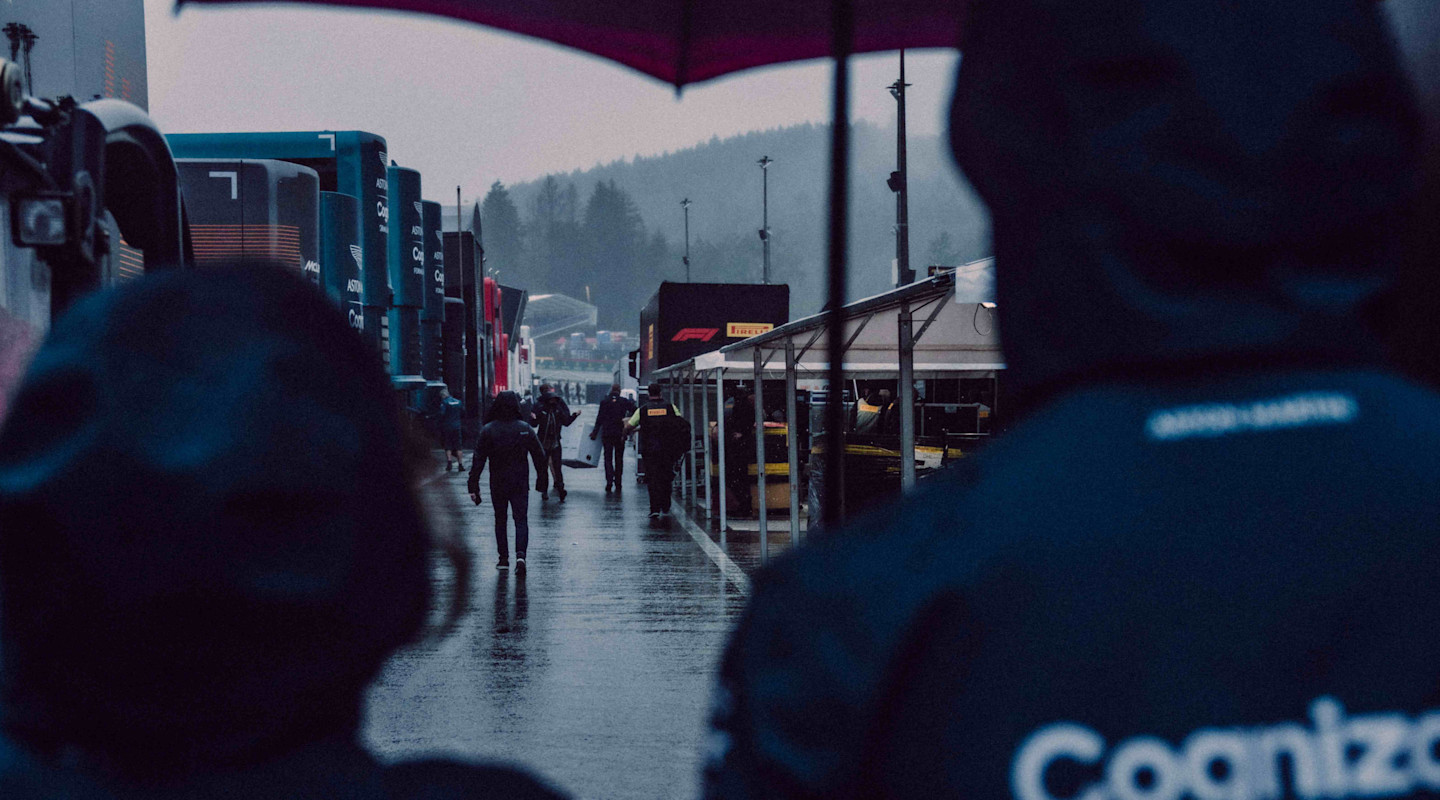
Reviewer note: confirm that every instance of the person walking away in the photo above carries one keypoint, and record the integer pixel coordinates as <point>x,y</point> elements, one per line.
<point>506,442</point>
<point>658,423</point>
<point>450,413</point>
<point>740,450</point>
<point>551,416</point>
<point>211,540</point>
<point>615,409</point>
<point>1199,563</point>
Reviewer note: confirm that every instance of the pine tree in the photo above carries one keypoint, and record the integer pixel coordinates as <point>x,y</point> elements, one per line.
<point>503,250</point>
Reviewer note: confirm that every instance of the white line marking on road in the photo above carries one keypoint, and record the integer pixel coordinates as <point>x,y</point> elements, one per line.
<point>727,567</point>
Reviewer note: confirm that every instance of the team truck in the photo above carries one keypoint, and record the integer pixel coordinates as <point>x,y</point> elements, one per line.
<point>346,162</point>
<point>253,210</point>
<point>88,189</point>
<point>341,257</point>
<point>497,352</point>
<point>432,309</point>
<point>90,195</point>
<point>407,280</point>
<point>522,362</point>
<point>468,369</point>
<point>684,320</point>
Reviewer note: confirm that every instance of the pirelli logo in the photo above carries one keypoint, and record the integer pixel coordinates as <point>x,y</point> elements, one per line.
<point>744,330</point>
<point>656,412</point>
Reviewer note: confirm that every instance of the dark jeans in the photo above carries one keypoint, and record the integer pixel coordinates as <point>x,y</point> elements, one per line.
<point>552,473</point>
<point>518,503</point>
<point>659,478</point>
<point>614,459</point>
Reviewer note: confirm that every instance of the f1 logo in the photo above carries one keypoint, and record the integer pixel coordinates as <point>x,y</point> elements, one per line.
<point>695,334</point>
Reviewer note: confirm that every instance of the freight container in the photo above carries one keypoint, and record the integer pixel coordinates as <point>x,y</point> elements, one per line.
<point>684,320</point>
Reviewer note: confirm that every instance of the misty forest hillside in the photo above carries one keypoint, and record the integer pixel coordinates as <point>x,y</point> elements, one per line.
<point>617,230</point>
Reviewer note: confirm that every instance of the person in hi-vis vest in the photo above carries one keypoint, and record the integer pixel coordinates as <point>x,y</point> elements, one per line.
<point>659,464</point>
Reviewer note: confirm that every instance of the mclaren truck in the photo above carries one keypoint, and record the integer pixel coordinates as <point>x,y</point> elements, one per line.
<point>90,194</point>
<point>253,210</point>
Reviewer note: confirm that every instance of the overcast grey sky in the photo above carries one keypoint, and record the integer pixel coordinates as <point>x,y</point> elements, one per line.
<point>467,105</point>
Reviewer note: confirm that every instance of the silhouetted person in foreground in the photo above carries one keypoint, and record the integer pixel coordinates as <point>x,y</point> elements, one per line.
<point>506,442</point>
<point>210,542</point>
<point>615,409</point>
<point>1200,564</point>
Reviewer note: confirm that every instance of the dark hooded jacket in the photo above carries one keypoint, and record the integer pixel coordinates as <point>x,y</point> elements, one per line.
<point>208,547</point>
<point>506,442</point>
<point>1199,566</point>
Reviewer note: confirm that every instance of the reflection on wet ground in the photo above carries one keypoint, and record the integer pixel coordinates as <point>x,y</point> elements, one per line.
<point>594,668</point>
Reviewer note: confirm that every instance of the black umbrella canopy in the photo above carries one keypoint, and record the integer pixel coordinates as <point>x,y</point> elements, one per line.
<point>687,41</point>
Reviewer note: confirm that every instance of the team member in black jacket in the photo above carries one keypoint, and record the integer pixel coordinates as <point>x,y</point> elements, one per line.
<point>1201,564</point>
<point>506,442</point>
<point>610,428</point>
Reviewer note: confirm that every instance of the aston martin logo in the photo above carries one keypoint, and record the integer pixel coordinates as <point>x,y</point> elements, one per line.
<point>384,159</point>
<point>419,209</point>
<point>358,254</point>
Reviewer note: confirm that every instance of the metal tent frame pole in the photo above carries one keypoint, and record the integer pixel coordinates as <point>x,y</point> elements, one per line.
<point>678,388</point>
<point>705,443</point>
<point>760,504</point>
<point>906,397</point>
<point>720,442</point>
<point>792,444</point>
<point>673,397</point>
<point>690,407</point>
<point>842,24</point>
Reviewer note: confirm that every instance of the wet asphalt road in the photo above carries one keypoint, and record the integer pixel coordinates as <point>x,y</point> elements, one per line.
<point>594,669</point>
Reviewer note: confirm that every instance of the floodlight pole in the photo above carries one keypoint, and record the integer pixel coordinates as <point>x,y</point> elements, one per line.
<point>765,162</point>
<point>685,204</point>
<point>899,183</point>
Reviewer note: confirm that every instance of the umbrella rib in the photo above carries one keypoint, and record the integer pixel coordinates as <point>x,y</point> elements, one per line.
<point>687,29</point>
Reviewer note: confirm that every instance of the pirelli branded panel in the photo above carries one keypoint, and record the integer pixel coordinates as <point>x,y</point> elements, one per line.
<point>341,255</point>
<point>351,162</point>
<point>684,320</point>
<point>407,238</point>
<point>253,211</point>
